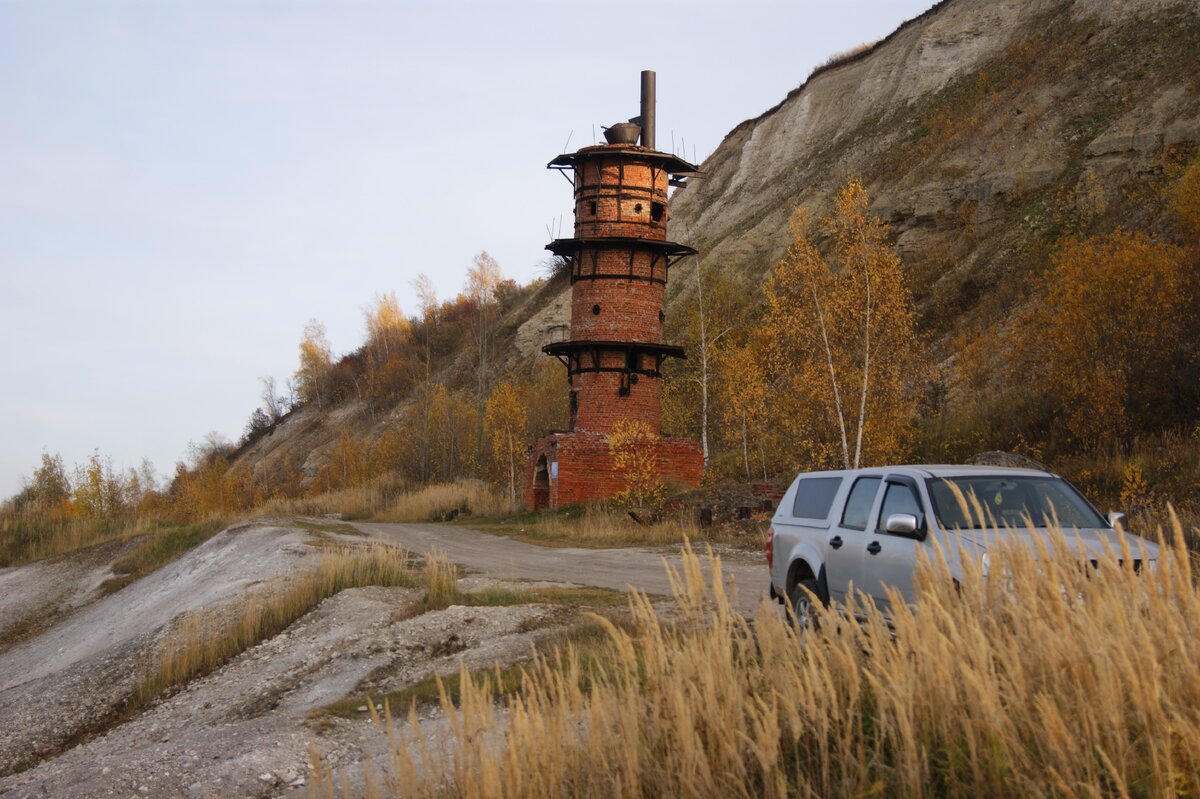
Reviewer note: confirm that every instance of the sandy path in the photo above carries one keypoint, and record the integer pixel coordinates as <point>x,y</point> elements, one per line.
<point>618,569</point>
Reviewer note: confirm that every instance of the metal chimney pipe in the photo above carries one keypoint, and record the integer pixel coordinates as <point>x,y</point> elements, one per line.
<point>647,118</point>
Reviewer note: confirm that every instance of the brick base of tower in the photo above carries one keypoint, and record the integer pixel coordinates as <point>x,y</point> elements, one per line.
<point>574,468</point>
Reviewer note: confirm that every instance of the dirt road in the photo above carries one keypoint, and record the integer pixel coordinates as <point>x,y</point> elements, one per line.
<point>618,569</point>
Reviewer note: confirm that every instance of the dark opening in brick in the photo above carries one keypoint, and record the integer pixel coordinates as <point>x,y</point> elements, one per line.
<point>656,211</point>
<point>662,316</point>
<point>637,209</point>
<point>596,309</point>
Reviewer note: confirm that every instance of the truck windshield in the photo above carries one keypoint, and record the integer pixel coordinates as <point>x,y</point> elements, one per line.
<point>1006,501</point>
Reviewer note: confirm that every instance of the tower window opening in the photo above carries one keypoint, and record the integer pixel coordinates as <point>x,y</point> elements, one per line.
<point>573,410</point>
<point>637,209</point>
<point>662,316</point>
<point>596,309</point>
<point>592,207</point>
<point>656,211</point>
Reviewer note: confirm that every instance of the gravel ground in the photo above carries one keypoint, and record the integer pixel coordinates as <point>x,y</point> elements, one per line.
<point>245,729</point>
<point>34,596</point>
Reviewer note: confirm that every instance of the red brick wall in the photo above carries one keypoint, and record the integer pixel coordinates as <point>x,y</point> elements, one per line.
<point>624,190</point>
<point>585,470</point>
<point>629,310</point>
<point>601,405</point>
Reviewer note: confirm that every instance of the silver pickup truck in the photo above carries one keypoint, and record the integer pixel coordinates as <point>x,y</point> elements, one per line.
<point>861,530</point>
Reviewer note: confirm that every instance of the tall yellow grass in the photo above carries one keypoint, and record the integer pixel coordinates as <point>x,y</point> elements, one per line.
<point>1050,678</point>
<point>29,537</point>
<point>441,581</point>
<point>356,502</point>
<point>204,641</point>
<point>436,502</point>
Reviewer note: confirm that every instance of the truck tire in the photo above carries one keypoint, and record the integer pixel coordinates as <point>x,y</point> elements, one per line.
<point>804,613</point>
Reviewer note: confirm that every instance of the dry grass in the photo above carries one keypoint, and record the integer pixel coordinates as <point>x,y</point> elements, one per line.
<point>1057,679</point>
<point>843,56</point>
<point>357,502</point>
<point>204,641</point>
<point>446,501</point>
<point>600,526</point>
<point>441,582</point>
<point>30,537</point>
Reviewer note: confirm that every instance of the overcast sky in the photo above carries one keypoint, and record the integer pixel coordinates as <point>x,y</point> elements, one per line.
<point>184,184</point>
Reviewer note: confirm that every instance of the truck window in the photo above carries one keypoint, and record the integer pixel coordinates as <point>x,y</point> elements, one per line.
<point>814,497</point>
<point>858,504</point>
<point>899,498</point>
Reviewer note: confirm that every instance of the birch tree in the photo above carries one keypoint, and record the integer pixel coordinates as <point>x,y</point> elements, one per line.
<point>844,352</point>
<point>483,278</point>
<point>428,302</point>
<point>504,422</point>
<point>316,362</point>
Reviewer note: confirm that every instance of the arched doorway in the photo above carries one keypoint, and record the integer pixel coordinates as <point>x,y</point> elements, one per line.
<point>541,484</point>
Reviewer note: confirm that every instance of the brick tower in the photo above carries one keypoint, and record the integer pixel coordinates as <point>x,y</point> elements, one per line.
<point>619,259</point>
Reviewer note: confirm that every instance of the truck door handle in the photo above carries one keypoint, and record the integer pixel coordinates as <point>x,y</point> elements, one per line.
<point>874,547</point>
<point>836,542</point>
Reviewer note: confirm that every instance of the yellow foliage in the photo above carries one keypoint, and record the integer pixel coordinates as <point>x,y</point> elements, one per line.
<point>742,378</point>
<point>1122,301</point>
<point>1136,494</point>
<point>1186,202</point>
<point>316,361</point>
<point>504,428</point>
<point>843,352</point>
<point>631,445</point>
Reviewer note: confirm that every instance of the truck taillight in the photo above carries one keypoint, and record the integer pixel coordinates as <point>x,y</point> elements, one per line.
<point>770,546</point>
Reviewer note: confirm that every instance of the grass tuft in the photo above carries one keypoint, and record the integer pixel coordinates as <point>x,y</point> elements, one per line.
<point>447,501</point>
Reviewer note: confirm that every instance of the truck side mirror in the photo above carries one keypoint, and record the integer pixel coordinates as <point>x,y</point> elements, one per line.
<point>1117,518</point>
<point>902,524</point>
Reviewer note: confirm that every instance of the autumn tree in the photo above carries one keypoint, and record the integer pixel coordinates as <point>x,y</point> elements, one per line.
<point>427,299</point>
<point>543,395</point>
<point>453,421</point>
<point>505,429</point>
<point>483,278</point>
<point>744,400</point>
<point>843,346</point>
<point>49,489</point>
<point>99,491</point>
<point>388,362</point>
<point>1109,343</point>
<point>711,319</point>
<point>316,364</point>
